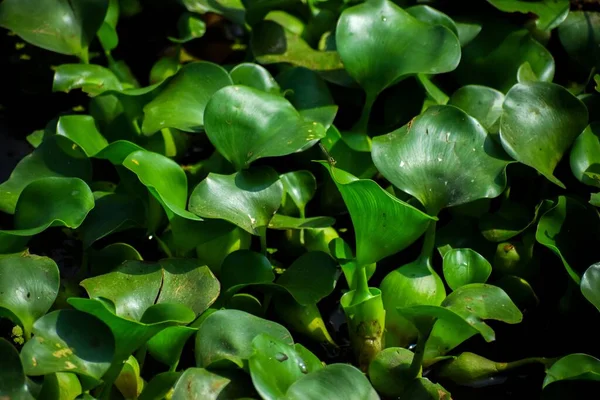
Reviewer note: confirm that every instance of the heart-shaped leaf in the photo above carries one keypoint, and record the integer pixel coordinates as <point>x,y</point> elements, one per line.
<point>480,102</point>
<point>56,25</point>
<point>248,198</point>
<point>13,382</point>
<point>444,158</point>
<point>70,341</point>
<point>110,257</point>
<point>410,46</point>
<point>245,124</point>
<point>585,155</point>
<point>590,285</point>
<point>306,89</point>
<point>51,202</point>
<point>91,78</point>
<point>164,179</point>
<point>255,76</point>
<point>465,266</point>
<point>275,365</point>
<point>565,229</point>
<point>580,36</point>
<point>199,383</point>
<point>183,98</point>
<point>52,158</point>
<point>474,303</point>
<point>245,267</point>
<point>334,382</point>
<point>172,280</point>
<point>495,56</point>
<point>378,217</point>
<point>550,13</point>
<point>573,367</point>
<point>218,346</point>
<point>28,294</point>
<point>539,123</point>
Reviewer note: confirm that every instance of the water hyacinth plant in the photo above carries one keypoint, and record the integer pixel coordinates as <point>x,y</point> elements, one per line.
<point>300,199</point>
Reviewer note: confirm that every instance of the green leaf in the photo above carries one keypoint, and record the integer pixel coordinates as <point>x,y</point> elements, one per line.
<point>580,36</point>
<point>474,303</point>
<point>245,124</point>
<point>13,382</point>
<point>494,57</point>
<point>61,385</point>
<point>432,16</point>
<point>275,365</point>
<point>182,99</point>
<point>82,130</point>
<point>230,9</point>
<point>304,319</point>
<point>199,383</point>
<point>255,76</point>
<point>245,267</point>
<point>567,228</point>
<point>424,389</point>
<point>539,123</point>
<point>507,222</point>
<point>519,290</point>
<point>585,155</point>
<point>304,88</point>
<point>218,347</point>
<point>284,222</point>
<point>164,68</point>
<point>310,278</point>
<point>49,202</point>
<point>411,46</point>
<point>158,387</point>
<point>271,43</point>
<point>383,224</point>
<point>334,382</point>
<point>573,367</point>
<point>167,345</point>
<point>91,78</point>
<point>300,186</point>
<point>110,257</point>
<point>52,158</point>
<point>28,294</point>
<point>69,341</point>
<point>129,381</point>
<point>444,158</point>
<point>113,212</point>
<point>390,371</point>
<point>164,179</point>
<point>190,27</point>
<point>248,198</point>
<point>57,25</point>
<point>482,103</point>
<point>465,266</point>
<point>550,13</point>
<point>181,281</point>
<point>130,335</point>
<point>347,157</point>
<point>590,285</point>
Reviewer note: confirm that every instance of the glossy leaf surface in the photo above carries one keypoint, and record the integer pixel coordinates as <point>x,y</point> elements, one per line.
<point>429,159</point>
<point>590,285</point>
<point>13,383</point>
<point>465,266</point>
<point>550,13</point>
<point>573,366</point>
<point>245,124</point>
<point>539,123</point>
<point>585,155</point>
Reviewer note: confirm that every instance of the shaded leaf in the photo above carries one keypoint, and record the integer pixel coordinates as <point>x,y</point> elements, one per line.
<point>13,382</point>
<point>482,103</point>
<point>255,76</point>
<point>92,79</point>
<point>585,155</point>
<point>199,383</point>
<point>590,285</point>
<point>465,266</point>
<point>573,367</point>
<point>550,13</point>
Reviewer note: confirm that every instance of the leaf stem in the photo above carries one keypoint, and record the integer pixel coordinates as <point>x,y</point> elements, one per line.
<point>362,292</point>
<point>263,242</point>
<point>428,243</point>
<point>302,215</point>
<point>363,123</point>
<point>415,365</point>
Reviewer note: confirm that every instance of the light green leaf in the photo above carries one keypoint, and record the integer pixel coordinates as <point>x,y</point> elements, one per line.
<point>465,266</point>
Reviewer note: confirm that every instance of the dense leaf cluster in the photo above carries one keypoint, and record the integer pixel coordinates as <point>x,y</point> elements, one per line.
<point>352,208</point>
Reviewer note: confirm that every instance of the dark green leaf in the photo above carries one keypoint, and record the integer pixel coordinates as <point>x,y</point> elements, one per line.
<point>167,345</point>
<point>573,367</point>
<point>28,287</point>
<point>70,341</point>
<point>444,158</point>
<point>245,124</point>
<point>253,75</point>
<point>158,387</point>
<point>13,382</point>
<point>482,103</point>
<point>275,365</point>
<point>82,130</point>
<point>218,346</point>
<point>464,266</point>
<point>590,285</point>
<point>58,25</point>
<point>285,222</point>
<point>92,79</point>
<point>199,383</point>
<point>54,157</point>
<point>300,186</point>
<point>585,155</point>
<point>190,27</point>
<point>389,371</point>
<point>580,36</point>
<point>539,123</point>
<point>182,99</point>
<point>248,198</point>
<point>230,9</point>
